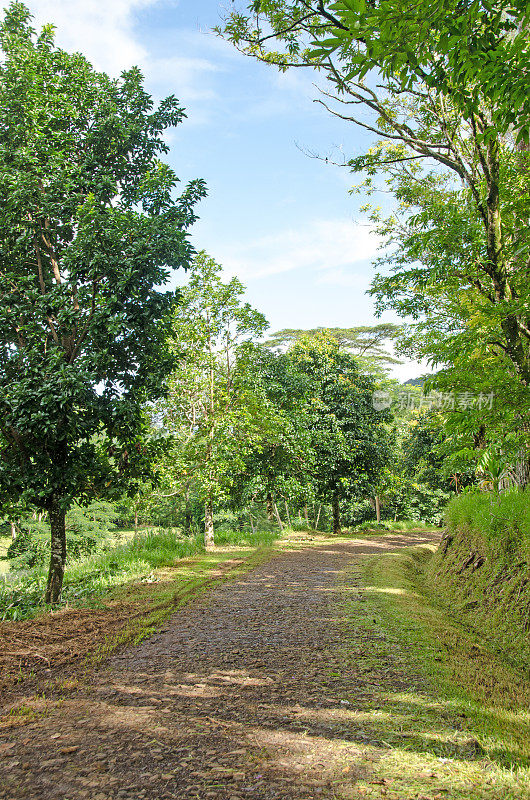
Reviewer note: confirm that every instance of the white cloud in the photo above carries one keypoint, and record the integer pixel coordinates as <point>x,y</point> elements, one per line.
<point>106,33</point>
<point>187,79</point>
<point>182,76</point>
<point>103,31</point>
<point>320,245</point>
<point>341,277</point>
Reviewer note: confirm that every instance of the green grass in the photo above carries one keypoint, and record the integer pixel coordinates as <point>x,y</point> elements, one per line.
<point>398,526</point>
<point>246,539</point>
<point>482,571</point>
<point>501,520</point>
<point>88,580</point>
<point>5,541</point>
<point>465,720</point>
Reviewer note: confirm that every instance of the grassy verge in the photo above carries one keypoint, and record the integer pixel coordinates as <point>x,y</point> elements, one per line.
<point>52,650</point>
<point>88,581</point>
<point>470,719</point>
<point>482,569</point>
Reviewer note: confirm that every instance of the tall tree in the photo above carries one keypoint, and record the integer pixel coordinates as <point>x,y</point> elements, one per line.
<point>214,408</point>
<point>89,229</point>
<point>347,433</point>
<point>368,343</point>
<point>283,465</point>
<point>431,100</point>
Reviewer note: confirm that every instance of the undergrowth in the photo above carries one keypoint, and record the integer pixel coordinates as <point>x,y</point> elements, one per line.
<point>88,579</point>
<point>398,525</point>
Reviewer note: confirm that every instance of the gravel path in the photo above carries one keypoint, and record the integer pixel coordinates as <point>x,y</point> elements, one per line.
<point>247,692</point>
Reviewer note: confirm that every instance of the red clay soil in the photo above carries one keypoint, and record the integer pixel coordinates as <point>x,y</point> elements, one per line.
<point>242,694</point>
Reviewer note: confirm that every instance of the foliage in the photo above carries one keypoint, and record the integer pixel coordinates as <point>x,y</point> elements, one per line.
<point>90,229</point>
<point>283,465</point>
<point>87,527</point>
<point>214,410</point>
<point>368,343</point>
<point>494,471</point>
<point>414,46</point>
<point>347,433</point>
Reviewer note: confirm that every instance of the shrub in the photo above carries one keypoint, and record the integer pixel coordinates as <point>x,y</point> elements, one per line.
<point>87,531</point>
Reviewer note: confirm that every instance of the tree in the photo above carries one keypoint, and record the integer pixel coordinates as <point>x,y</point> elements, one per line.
<point>89,230</point>
<point>283,466</point>
<point>214,409</point>
<point>347,433</point>
<point>436,270</point>
<point>465,51</point>
<point>366,342</point>
<point>432,101</point>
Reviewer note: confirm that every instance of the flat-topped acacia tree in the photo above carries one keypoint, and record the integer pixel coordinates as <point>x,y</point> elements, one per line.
<point>89,228</point>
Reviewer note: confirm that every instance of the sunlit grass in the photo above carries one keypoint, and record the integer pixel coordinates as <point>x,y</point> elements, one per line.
<point>5,541</point>
<point>138,558</point>
<point>463,729</point>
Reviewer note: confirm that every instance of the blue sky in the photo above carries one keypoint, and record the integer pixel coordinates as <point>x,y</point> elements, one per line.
<point>280,220</point>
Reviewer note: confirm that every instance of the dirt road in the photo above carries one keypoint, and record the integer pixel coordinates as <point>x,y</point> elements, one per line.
<point>270,686</point>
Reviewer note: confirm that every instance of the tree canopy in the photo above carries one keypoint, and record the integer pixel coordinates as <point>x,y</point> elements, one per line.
<point>90,227</point>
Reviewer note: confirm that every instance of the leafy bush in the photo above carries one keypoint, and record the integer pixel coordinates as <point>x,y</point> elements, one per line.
<point>22,597</point>
<point>31,548</point>
<point>87,531</point>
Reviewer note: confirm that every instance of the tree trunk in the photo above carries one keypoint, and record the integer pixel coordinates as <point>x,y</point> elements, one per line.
<point>377,508</point>
<point>270,508</point>
<point>337,530</point>
<point>187,512</point>
<point>306,515</point>
<point>251,523</point>
<point>277,515</point>
<point>317,516</point>
<point>521,472</point>
<point>287,513</point>
<point>58,553</point>
<point>209,542</point>
<point>13,528</point>
<point>521,468</point>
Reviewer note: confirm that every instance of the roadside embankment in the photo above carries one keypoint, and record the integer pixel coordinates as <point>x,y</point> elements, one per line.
<point>481,569</point>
